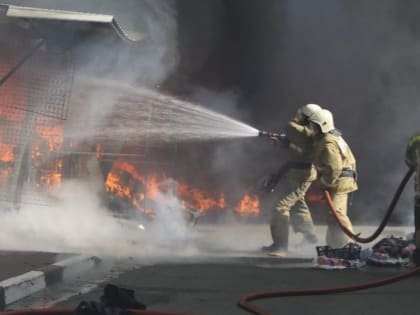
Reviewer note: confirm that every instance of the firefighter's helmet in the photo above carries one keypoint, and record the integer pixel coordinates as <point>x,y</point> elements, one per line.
<point>324,119</point>
<point>309,109</point>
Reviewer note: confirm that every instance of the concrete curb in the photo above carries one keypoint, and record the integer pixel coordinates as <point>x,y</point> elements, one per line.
<point>19,287</point>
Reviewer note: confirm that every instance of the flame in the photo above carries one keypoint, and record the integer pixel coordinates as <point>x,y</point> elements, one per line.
<point>48,140</point>
<point>52,134</point>
<point>6,152</point>
<point>50,179</point>
<point>114,185</point>
<point>249,205</point>
<point>47,136</point>
<point>124,180</point>
<point>122,166</point>
<point>9,113</point>
<point>199,199</point>
<point>12,103</point>
<point>152,184</point>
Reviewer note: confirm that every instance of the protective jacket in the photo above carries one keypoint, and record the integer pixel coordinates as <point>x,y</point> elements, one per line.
<point>301,152</point>
<point>335,163</point>
<point>412,158</point>
<point>412,154</point>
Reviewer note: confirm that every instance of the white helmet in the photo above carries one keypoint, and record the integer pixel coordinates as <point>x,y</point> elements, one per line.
<point>324,119</point>
<point>309,109</point>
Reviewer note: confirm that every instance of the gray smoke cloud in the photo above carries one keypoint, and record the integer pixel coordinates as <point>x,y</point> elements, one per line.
<point>340,54</point>
<point>230,157</point>
<point>358,58</point>
<point>72,220</point>
<point>148,62</point>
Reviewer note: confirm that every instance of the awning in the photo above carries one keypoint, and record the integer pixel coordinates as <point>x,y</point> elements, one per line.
<point>78,20</point>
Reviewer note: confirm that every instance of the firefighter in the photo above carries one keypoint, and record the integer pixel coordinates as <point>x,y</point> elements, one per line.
<point>412,159</point>
<point>297,174</point>
<point>336,168</point>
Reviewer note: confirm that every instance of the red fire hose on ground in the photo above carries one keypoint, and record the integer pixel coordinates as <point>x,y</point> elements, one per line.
<point>70,311</point>
<point>385,220</point>
<point>245,300</point>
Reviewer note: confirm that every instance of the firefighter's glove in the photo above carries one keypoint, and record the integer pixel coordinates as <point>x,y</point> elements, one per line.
<point>281,139</point>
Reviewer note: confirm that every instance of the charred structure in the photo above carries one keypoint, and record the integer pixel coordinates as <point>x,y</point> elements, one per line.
<point>265,59</point>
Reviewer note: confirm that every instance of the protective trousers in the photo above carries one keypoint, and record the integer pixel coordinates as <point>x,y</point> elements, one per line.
<point>291,203</point>
<point>417,207</point>
<point>335,237</point>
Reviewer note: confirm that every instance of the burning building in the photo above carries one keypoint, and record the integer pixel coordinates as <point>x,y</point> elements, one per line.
<point>45,134</point>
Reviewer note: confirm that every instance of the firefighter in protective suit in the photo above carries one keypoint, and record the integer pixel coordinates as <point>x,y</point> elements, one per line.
<point>412,159</point>
<point>336,168</point>
<point>297,176</point>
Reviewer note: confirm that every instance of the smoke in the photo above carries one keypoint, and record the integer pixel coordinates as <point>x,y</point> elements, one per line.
<point>148,62</point>
<point>73,220</point>
<point>231,157</point>
<point>341,56</point>
<point>358,59</point>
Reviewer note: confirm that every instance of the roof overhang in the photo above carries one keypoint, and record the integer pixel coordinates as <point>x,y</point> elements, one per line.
<point>78,20</point>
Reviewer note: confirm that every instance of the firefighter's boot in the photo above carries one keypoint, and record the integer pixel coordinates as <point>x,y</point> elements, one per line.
<point>278,241</point>
<point>279,228</point>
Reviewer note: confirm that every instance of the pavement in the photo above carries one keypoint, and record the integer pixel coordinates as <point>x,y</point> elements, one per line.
<point>25,273</point>
<point>15,263</point>
<point>214,281</point>
<point>215,287</point>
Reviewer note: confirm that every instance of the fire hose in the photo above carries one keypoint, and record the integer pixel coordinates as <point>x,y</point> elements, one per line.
<point>385,220</point>
<point>70,311</point>
<point>245,300</point>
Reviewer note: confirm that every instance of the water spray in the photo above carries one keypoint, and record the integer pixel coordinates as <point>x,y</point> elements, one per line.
<point>141,114</point>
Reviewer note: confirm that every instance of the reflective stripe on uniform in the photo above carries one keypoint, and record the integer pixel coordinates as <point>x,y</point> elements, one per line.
<point>342,144</point>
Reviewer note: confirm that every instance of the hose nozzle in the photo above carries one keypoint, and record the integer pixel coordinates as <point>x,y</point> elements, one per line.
<point>276,137</point>
<point>268,134</point>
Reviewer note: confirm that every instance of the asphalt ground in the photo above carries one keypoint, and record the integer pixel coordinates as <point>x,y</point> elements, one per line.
<point>213,283</point>
<point>227,264</point>
<point>216,287</point>
<point>14,263</point>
